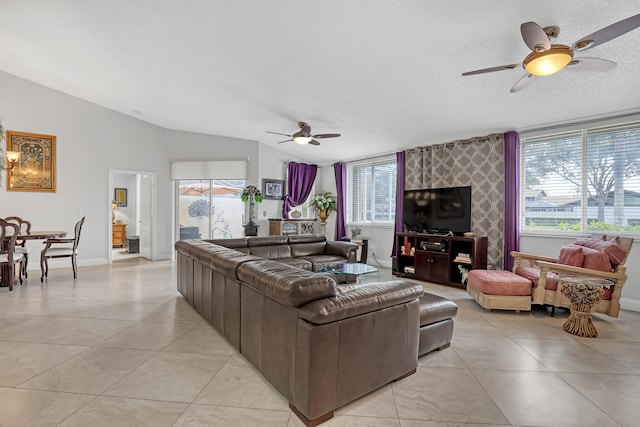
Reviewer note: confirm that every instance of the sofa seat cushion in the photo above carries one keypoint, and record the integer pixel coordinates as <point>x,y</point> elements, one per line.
<point>286,284</point>
<point>296,262</point>
<point>316,260</point>
<point>499,282</point>
<point>434,308</point>
<point>360,300</point>
<point>533,274</point>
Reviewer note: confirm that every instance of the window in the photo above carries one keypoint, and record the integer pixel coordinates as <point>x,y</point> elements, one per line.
<point>210,208</point>
<point>586,180</point>
<point>371,192</point>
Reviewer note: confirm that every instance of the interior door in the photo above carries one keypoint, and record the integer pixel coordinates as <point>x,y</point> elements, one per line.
<point>146,214</point>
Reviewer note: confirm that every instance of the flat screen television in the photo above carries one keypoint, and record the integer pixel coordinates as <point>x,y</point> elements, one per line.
<point>437,210</point>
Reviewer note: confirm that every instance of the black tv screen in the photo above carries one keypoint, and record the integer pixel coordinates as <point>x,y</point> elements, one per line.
<point>437,210</point>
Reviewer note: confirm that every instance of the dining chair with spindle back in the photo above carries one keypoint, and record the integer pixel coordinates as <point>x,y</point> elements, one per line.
<point>8,257</point>
<point>25,228</point>
<point>52,250</point>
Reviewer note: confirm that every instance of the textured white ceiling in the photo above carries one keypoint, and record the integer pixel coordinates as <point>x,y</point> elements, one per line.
<point>384,74</point>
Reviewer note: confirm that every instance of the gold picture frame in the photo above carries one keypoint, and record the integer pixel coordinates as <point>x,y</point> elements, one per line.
<point>36,167</point>
<point>120,197</point>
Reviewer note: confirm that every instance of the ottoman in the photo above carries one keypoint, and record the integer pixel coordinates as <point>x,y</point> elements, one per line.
<point>436,323</point>
<point>499,289</point>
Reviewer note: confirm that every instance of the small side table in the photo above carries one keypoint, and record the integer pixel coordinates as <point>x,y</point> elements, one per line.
<point>584,292</point>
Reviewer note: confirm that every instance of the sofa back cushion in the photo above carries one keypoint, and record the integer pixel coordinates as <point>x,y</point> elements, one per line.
<point>571,255</point>
<point>614,252</point>
<point>239,244</point>
<point>271,252</point>
<point>307,249</point>
<point>272,247</point>
<point>288,285</point>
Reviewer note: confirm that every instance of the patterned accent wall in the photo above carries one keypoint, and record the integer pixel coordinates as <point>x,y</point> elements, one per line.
<point>478,162</point>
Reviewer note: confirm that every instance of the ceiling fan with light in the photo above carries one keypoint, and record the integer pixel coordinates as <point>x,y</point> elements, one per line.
<point>304,136</point>
<point>546,58</point>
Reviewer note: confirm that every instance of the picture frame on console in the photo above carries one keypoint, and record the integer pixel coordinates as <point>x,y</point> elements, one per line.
<point>273,189</point>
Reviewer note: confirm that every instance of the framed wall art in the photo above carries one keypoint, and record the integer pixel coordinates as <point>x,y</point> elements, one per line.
<point>120,197</point>
<point>36,166</point>
<point>272,189</point>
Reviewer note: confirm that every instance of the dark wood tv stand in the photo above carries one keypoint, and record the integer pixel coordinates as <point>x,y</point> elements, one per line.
<point>435,258</point>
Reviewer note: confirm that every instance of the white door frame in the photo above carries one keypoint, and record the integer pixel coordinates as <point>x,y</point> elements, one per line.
<point>112,172</point>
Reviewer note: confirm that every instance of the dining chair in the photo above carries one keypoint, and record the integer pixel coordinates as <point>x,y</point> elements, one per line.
<point>25,228</point>
<point>69,250</point>
<point>8,257</point>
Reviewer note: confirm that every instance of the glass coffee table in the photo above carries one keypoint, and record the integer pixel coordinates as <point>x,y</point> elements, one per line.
<point>344,272</point>
<point>584,292</point>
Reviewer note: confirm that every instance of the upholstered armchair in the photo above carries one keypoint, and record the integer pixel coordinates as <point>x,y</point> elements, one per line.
<point>600,256</point>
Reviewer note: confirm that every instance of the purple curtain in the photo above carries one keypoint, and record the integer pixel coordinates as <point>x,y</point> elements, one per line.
<point>511,197</point>
<point>340,171</point>
<point>300,179</point>
<point>400,177</point>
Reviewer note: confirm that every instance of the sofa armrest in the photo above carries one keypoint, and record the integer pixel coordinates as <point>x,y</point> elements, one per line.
<point>518,257</point>
<point>568,269</point>
<point>360,300</point>
<point>347,250</point>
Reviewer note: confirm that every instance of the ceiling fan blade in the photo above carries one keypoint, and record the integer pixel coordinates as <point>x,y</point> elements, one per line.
<point>535,37</point>
<point>492,69</point>
<point>591,64</point>
<point>286,140</point>
<point>305,130</point>
<point>523,82</point>
<point>278,133</point>
<point>326,135</point>
<point>608,33</point>
<point>314,142</point>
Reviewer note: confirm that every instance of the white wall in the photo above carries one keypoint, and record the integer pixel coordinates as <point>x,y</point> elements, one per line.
<point>91,140</point>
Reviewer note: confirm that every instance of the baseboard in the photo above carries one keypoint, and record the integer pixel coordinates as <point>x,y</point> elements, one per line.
<point>630,304</point>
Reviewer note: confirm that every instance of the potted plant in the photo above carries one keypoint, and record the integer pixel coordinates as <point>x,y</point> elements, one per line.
<point>253,195</point>
<point>323,204</point>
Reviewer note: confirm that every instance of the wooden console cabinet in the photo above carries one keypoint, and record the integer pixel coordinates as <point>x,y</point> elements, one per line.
<point>119,235</point>
<point>286,227</point>
<point>436,258</point>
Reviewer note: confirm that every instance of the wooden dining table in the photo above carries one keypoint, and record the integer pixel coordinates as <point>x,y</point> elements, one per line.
<point>32,235</point>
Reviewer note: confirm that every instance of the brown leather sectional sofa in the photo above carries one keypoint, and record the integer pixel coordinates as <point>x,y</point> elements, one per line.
<point>320,345</point>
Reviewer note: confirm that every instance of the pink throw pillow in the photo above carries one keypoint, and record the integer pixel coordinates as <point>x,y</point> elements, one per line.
<point>596,260</point>
<point>571,255</point>
<point>615,253</point>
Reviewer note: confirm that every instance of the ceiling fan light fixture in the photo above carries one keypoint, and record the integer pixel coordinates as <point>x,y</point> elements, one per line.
<point>548,62</point>
<point>302,140</point>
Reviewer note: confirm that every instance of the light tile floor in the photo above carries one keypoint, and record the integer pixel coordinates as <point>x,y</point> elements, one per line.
<point>119,346</point>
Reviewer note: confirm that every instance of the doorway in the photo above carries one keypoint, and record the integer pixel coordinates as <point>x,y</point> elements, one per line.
<point>131,196</point>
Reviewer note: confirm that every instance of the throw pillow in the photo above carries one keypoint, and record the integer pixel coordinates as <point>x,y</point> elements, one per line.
<point>571,255</point>
<point>613,251</point>
<point>596,260</point>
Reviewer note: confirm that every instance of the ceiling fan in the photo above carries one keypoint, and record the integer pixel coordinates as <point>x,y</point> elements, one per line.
<point>546,58</point>
<point>303,136</point>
